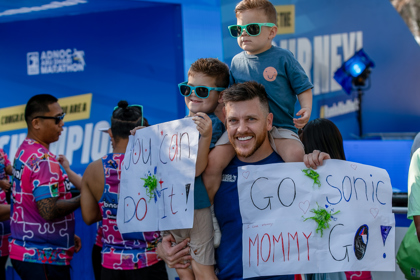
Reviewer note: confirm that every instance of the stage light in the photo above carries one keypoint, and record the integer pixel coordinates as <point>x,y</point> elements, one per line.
<point>354,72</point>
<point>352,76</point>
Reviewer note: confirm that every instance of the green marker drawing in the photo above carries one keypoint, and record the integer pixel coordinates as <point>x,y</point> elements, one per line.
<point>322,218</point>
<point>313,175</point>
<point>150,183</point>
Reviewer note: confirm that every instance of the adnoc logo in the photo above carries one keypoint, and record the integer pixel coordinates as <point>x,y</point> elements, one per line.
<point>56,61</point>
<point>33,63</point>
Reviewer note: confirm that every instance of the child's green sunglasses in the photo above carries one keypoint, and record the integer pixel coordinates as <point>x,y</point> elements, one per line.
<point>253,29</point>
<point>200,91</point>
<point>134,105</point>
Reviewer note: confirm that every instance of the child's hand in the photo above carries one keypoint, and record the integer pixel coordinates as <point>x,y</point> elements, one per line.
<point>305,114</point>
<point>204,124</point>
<point>64,162</point>
<point>133,131</point>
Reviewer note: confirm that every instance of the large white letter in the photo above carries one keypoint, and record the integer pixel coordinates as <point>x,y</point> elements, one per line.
<point>100,141</point>
<point>322,64</point>
<point>4,140</point>
<point>304,55</point>
<point>336,60</point>
<point>87,141</point>
<point>15,142</point>
<point>74,141</point>
<point>292,46</point>
<point>359,40</point>
<point>349,44</point>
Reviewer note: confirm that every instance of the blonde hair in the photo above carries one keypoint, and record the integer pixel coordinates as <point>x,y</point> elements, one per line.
<point>266,6</point>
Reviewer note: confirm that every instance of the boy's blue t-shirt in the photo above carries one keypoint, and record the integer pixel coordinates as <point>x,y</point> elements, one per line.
<point>226,209</point>
<point>201,198</point>
<point>281,75</point>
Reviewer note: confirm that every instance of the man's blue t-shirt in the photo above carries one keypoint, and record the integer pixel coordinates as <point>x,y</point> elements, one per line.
<point>281,75</point>
<point>226,208</point>
<point>201,198</point>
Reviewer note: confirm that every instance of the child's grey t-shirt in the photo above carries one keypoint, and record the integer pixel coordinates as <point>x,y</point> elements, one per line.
<point>281,75</point>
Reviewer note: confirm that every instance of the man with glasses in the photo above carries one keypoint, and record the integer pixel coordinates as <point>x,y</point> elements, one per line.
<point>42,239</point>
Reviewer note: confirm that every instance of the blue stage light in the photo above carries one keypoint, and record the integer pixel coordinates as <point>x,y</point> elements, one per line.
<point>354,71</point>
<point>356,67</point>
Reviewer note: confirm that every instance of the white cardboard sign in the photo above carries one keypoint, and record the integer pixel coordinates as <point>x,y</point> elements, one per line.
<point>166,153</point>
<point>275,200</point>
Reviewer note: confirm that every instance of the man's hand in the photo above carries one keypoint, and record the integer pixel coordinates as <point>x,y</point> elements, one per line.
<point>305,114</point>
<point>5,185</point>
<point>204,124</point>
<point>174,257</point>
<point>77,243</point>
<point>133,131</point>
<point>316,158</point>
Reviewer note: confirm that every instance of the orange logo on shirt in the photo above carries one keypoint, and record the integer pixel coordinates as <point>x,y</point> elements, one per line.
<point>270,73</point>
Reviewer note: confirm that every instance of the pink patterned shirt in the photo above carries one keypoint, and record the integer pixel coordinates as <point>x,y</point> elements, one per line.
<point>128,251</point>
<point>5,225</point>
<point>37,175</point>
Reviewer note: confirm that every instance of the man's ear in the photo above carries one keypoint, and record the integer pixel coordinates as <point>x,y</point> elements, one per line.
<point>269,121</point>
<point>36,123</point>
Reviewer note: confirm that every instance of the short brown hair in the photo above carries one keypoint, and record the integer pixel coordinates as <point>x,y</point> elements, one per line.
<point>266,6</point>
<point>246,91</point>
<point>211,67</point>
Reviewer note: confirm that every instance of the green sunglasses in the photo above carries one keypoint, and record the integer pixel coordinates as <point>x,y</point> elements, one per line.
<point>134,105</point>
<point>253,29</point>
<point>200,91</point>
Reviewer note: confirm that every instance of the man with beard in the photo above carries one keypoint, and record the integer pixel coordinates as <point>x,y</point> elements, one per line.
<point>248,122</point>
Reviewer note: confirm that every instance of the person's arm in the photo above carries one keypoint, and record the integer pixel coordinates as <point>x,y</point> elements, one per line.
<point>4,212</point>
<point>414,191</point>
<point>177,256</point>
<point>9,170</point>
<point>5,185</point>
<point>92,184</point>
<point>417,224</point>
<point>52,208</point>
<point>74,178</point>
<point>77,243</point>
<point>204,127</point>
<point>315,159</point>
<point>305,101</point>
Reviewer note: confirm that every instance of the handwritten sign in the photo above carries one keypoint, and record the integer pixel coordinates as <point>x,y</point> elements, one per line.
<point>276,199</point>
<point>157,178</point>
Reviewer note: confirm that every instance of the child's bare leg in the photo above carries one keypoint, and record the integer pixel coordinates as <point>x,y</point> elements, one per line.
<point>218,160</point>
<point>203,272</point>
<point>290,150</point>
<point>185,273</point>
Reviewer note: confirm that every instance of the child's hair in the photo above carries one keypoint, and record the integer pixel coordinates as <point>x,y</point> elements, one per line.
<point>125,118</point>
<point>264,5</point>
<point>246,91</point>
<point>211,67</point>
<point>323,135</point>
